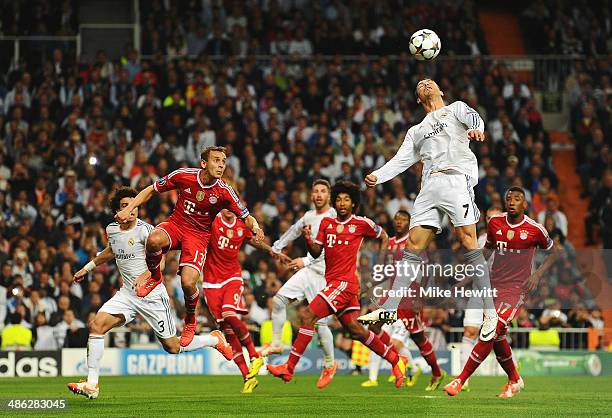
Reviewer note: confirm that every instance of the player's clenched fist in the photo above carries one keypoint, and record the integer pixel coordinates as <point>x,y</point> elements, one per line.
<point>79,275</point>
<point>476,135</point>
<point>123,215</point>
<point>370,180</point>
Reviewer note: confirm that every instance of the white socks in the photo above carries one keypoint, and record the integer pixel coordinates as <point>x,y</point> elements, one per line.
<point>279,316</point>
<point>327,344</point>
<point>374,366</point>
<point>95,349</point>
<point>200,341</point>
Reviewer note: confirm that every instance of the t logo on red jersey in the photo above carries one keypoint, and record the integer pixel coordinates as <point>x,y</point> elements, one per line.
<point>331,240</point>
<point>501,246</point>
<point>223,242</point>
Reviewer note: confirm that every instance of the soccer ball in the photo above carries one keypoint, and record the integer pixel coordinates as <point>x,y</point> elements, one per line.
<point>424,45</point>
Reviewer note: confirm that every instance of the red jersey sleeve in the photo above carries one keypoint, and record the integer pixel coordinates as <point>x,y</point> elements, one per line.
<point>490,236</point>
<point>369,228</point>
<point>543,240</point>
<point>320,239</point>
<point>168,182</point>
<point>232,201</point>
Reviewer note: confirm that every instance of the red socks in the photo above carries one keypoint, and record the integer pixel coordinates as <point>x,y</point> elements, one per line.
<point>384,337</point>
<point>428,354</point>
<point>504,358</point>
<point>153,264</point>
<point>191,302</point>
<point>479,353</point>
<point>242,332</point>
<point>375,343</point>
<point>304,336</point>
<point>237,348</point>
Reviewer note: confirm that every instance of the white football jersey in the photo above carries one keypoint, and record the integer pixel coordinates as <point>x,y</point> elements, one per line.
<point>313,219</point>
<point>129,249</point>
<point>440,141</point>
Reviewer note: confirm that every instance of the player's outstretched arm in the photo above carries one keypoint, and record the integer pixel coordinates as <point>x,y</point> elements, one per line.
<point>405,158</point>
<point>384,244</point>
<point>470,118</point>
<point>283,258</point>
<point>253,225</point>
<point>313,248</point>
<point>142,197</point>
<point>291,234</point>
<point>104,256</point>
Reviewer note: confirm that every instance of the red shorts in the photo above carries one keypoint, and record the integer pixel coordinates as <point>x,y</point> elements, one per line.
<point>412,320</point>
<point>227,298</point>
<point>333,299</point>
<point>193,244</point>
<point>507,303</point>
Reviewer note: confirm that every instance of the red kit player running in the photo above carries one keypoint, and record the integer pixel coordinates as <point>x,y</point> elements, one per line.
<point>514,237</point>
<point>411,318</point>
<point>341,238</point>
<point>223,288</point>
<point>201,195</point>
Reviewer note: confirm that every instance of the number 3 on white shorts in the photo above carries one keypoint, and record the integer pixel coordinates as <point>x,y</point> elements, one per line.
<point>199,258</point>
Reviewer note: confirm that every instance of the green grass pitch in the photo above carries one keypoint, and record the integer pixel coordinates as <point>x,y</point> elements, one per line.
<point>195,396</point>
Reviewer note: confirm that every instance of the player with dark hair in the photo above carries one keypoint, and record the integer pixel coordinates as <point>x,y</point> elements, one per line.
<point>514,237</point>
<point>223,286</point>
<point>201,195</point>
<point>306,282</point>
<point>450,172</point>
<point>341,237</point>
<point>126,244</point>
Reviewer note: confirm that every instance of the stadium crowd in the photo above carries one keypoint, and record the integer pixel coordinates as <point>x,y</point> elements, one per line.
<point>73,132</point>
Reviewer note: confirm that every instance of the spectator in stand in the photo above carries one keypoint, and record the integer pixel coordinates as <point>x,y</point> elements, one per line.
<point>552,210</point>
<point>16,336</point>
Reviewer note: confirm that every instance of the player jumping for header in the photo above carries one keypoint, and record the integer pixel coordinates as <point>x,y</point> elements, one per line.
<point>514,237</point>
<point>341,237</point>
<point>201,195</point>
<point>450,171</point>
<point>126,244</point>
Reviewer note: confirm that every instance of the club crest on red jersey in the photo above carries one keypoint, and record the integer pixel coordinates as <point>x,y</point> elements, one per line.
<point>200,195</point>
<point>230,233</point>
<point>212,200</point>
<point>510,234</point>
<point>352,229</point>
<point>523,234</point>
<point>340,228</point>
<point>240,232</point>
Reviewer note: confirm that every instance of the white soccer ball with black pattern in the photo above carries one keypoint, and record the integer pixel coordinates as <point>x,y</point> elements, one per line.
<point>424,45</point>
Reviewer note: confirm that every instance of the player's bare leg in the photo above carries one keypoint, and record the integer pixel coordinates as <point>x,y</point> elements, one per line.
<point>157,243</point>
<point>189,280</point>
<point>468,238</point>
<point>98,327</point>
<point>418,240</point>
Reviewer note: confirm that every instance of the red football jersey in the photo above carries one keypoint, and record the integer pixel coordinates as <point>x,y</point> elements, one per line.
<point>222,257</point>
<point>514,247</point>
<point>341,241</point>
<point>198,204</point>
<point>396,247</point>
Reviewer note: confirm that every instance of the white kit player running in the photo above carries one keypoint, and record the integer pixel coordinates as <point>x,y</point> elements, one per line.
<point>450,172</point>
<point>126,244</point>
<point>307,281</point>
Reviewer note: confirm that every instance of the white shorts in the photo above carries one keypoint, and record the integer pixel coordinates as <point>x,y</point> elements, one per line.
<point>305,284</point>
<point>445,193</point>
<point>473,313</point>
<point>154,308</point>
<point>397,331</point>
